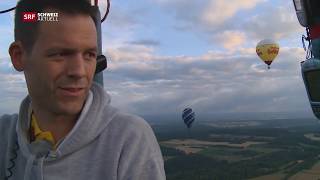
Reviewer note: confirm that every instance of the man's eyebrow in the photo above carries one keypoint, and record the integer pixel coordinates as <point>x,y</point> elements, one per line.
<point>64,49</point>
<point>93,49</point>
<point>54,49</point>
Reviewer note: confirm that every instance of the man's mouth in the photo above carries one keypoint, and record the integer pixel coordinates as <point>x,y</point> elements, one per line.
<point>72,91</point>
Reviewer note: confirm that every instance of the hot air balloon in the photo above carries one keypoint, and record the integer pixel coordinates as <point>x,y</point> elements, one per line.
<point>267,50</point>
<point>188,117</point>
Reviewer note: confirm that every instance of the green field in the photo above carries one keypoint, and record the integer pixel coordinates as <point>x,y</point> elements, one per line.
<point>212,152</point>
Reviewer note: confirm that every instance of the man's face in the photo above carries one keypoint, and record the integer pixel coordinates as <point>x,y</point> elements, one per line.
<point>60,68</point>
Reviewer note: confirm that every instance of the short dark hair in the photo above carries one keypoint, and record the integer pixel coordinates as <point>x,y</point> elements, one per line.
<point>27,32</point>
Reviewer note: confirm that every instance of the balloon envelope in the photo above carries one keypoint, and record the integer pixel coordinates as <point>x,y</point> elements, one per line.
<point>267,50</point>
<point>188,116</point>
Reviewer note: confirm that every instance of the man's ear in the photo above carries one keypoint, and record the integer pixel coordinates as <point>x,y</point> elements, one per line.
<point>17,54</point>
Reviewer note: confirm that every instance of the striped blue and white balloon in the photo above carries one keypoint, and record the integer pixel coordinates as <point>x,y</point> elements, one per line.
<point>188,116</point>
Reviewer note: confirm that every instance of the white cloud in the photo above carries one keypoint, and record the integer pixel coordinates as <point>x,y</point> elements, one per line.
<point>131,53</point>
<point>219,11</point>
<point>215,81</point>
<point>277,23</point>
<point>231,24</point>
<point>230,39</point>
<point>13,90</point>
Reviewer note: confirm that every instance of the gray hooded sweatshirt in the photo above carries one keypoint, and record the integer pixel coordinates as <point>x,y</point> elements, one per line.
<point>104,144</point>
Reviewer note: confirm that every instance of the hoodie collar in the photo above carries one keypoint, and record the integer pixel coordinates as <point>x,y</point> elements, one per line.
<point>94,118</point>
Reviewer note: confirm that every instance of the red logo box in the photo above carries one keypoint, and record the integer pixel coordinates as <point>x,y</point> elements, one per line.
<point>29,17</point>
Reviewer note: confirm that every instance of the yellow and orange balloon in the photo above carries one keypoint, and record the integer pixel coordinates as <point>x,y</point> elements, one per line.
<point>267,50</point>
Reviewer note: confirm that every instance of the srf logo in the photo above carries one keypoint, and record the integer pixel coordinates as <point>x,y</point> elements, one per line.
<point>29,17</point>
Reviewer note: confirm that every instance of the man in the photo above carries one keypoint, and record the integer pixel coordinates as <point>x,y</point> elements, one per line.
<point>66,128</point>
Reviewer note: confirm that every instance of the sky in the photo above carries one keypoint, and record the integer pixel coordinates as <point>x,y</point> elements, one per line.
<point>166,55</point>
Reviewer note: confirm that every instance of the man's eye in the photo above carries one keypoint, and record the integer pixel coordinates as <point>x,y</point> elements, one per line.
<point>90,55</point>
<point>52,54</point>
<point>58,54</point>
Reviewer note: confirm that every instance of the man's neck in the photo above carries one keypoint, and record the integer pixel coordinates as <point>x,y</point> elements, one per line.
<point>58,125</point>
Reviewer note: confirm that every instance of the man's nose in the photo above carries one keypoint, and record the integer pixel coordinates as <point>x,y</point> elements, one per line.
<point>76,66</point>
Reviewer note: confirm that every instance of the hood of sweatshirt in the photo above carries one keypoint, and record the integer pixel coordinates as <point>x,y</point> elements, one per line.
<point>88,126</point>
